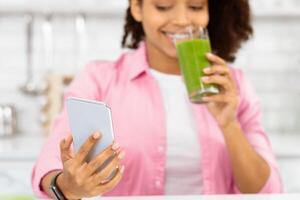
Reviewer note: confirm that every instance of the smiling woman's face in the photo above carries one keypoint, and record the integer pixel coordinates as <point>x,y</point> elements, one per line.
<point>162,18</point>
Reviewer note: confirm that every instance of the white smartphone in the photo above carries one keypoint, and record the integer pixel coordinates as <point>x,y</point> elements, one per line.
<point>87,117</point>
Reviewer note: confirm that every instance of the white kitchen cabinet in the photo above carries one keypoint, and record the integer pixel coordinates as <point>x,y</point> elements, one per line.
<point>67,6</point>
<point>17,156</point>
<point>290,168</point>
<point>15,177</point>
<point>287,151</point>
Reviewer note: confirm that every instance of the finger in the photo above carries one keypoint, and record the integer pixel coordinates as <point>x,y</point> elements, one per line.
<point>65,143</point>
<point>65,148</point>
<point>217,69</point>
<point>111,168</point>
<point>115,146</point>
<point>105,174</point>
<point>215,59</point>
<point>217,98</point>
<point>222,81</point>
<point>80,177</point>
<point>110,185</point>
<point>101,160</point>
<point>87,146</point>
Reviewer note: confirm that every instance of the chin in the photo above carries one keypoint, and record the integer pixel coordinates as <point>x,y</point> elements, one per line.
<point>172,53</point>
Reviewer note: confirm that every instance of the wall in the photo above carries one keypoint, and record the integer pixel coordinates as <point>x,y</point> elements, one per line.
<point>103,36</point>
<point>271,61</point>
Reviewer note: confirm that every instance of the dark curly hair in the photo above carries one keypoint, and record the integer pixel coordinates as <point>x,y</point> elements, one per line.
<point>229,26</point>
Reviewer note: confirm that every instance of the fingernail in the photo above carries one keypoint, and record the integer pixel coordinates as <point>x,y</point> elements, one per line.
<point>96,135</point>
<point>207,69</point>
<point>121,155</point>
<point>122,169</point>
<point>205,78</point>
<point>115,146</point>
<point>209,54</point>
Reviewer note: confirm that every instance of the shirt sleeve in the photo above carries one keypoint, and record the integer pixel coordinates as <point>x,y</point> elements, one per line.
<point>85,85</point>
<point>249,115</point>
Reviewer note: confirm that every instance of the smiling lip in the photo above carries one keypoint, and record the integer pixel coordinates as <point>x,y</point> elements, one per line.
<point>175,35</point>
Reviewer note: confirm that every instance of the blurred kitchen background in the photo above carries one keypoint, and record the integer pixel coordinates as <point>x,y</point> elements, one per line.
<point>44,43</point>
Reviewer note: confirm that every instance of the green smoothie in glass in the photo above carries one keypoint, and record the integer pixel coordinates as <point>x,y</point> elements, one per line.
<point>192,48</point>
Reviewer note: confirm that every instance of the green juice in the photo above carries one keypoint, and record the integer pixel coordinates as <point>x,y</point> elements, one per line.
<point>192,60</point>
<point>17,197</point>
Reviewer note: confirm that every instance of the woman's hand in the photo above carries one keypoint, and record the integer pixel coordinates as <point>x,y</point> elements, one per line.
<point>222,106</point>
<point>81,179</point>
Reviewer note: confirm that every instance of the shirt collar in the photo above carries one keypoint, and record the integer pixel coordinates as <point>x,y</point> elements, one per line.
<point>138,62</point>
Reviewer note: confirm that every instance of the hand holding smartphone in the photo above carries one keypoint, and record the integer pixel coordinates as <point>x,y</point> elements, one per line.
<point>87,117</point>
<point>95,167</point>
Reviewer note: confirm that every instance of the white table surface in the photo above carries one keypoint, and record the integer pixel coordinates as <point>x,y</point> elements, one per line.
<point>209,197</point>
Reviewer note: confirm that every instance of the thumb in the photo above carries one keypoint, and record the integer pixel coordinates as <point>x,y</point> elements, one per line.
<point>65,148</point>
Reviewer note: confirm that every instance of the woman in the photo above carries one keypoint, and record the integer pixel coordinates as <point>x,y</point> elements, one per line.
<point>171,145</point>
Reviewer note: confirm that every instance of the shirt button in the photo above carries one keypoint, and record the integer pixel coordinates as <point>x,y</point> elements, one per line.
<point>160,168</point>
<point>158,184</point>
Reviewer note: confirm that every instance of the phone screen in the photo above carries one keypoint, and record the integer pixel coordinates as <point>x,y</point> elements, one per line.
<point>85,118</point>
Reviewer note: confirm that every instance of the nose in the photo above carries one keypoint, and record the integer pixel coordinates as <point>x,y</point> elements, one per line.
<point>181,16</point>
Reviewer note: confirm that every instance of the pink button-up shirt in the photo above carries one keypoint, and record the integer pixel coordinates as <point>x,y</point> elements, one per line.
<point>133,94</point>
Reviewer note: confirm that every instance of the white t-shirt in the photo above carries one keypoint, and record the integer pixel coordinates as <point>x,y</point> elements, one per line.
<point>183,165</point>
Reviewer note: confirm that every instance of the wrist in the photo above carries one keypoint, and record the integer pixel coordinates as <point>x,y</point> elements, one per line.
<point>230,127</point>
<point>63,188</point>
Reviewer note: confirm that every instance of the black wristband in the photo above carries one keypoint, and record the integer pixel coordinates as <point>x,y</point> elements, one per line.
<point>58,195</point>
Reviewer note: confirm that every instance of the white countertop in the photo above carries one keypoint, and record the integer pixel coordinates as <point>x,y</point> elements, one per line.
<point>21,147</point>
<point>209,197</point>
<point>285,145</point>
